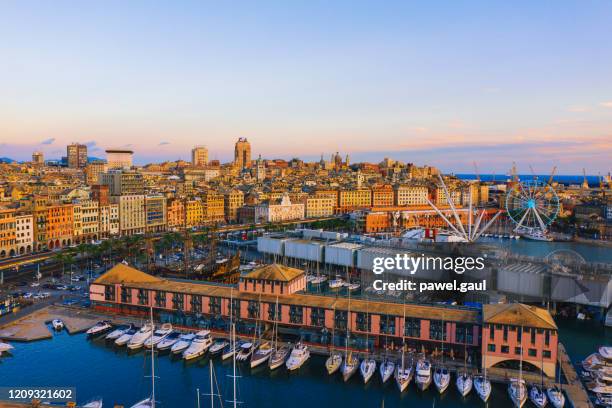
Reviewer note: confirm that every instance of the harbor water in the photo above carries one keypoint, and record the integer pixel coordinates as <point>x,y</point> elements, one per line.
<point>96,368</point>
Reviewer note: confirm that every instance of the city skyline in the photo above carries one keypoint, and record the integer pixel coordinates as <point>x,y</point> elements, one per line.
<point>441,86</point>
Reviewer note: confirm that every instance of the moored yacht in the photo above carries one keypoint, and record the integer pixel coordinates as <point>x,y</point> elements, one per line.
<point>349,366</point>
<point>230,350</point>
<point>278,357</point>
<point>336,283</point>
<point>333,362</point>
<point>537,395</point>
<point>217,347</point>
<point>158,335</point>
<point>386,369</point>
<point>126,337</point>
<point>423,374</point>
<point>441,378</point>
<point>140,336</point>
<point>245,351</point>
<point>261,354</point>
<point>169,341</point>
<point>517,392</point>
<point>403,374</point>
<point>483,387</point>
<point>367,369</point>
<point>57,324</point>
<point>200,344</point>
<point>299,355</point>
<point>118,332</point>
<point>145,403</point>
<point>183,343</point>
<point>556,397</point>
<point>97,403</point>
<point>99,328</point>
<point>464,383</point>
<point>5,347</point>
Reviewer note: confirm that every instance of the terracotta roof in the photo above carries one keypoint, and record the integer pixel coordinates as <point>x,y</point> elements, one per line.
<point>275,272</point>
<point>122,273</point>
<point>518,314</point>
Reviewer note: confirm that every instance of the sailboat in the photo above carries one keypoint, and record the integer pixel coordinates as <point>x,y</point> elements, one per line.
<point>423,373</point>
<point>235,401</point>
<point>149,402</point>
<point>482,383</point>
<point>441,376</point>
<point>537,393</point>
<point>555,393</point>
<point>368,364</point>
<point>279,355</point>
<point>403,371</point>
<point>517,389</point>
<point>264,350</point>
<point>334,361</point>
<point>351,363</point>
<point>464,379</point>
<point>387,366</point>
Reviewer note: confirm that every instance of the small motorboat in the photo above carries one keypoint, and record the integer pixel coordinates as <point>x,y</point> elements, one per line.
<point>140,336</point>
<point>423,374</point>
<point>351,286</point>
<point>483,387</point>
<point>386,369</point>
<point>299,355</point>
<point>217,347</point>
<point>245,351</point>
<point>158,335</point>
<point>556,396</point>
<point>230,350</point>
<point>183,342</point>
<point>57,324</point>
<point>96,403</point>
<point>517,392</point>
<point>5,347</point>
<point>126,337</point>
<point>336,283</point>
<point>333,362</point>
<point>200,344</point>
<point>118,332</point>
<point>367,369</point>
<point>349,366</point>
<point>261,354</point>
<point>319,279</point>
<point>441,379</point>
<point>145,403</point>
<point>169,341</point>
<point>99,328</point>
<point>403,375</point>
<point>278,357</point>
<point>537,395</point>
<point>464,383</point>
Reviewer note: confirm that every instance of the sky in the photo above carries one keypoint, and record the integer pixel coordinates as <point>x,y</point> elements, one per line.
<point>430,82</point>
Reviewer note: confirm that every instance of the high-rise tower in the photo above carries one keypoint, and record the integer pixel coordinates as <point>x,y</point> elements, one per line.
<point>242,153</point>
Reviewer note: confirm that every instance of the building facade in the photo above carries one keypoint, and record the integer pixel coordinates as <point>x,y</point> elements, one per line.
<point>76,155</point>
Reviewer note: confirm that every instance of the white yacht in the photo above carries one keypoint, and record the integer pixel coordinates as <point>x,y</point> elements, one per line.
<point>556,396</point>
<point>386,369</point>
<point>5,347</point>
<point>200,344</point>
<point>94,404</point>
<point>229,351</point>
<point>349,366</point>
<point>333,362</point>
<point>441,378</point>
<point>336,283</point>
<point>278,357</point>
<point>367,369</point>
<point>126,337</point>
<point>261,354</point>
<point>99,328</point>
<point>140,336</point>
<point>217,347</point>
<point>464,383</point>
<point>169,341</point>
<point>57,324</point>
<point>319,279</point>
<point>145,403</point>
<point>118,332</point>
<point>158,335</point>
<point>423,374</point>
<point>537,395</point>
<point>299,355</point>
<point>183,342</point>
<point>483,387</point>
<point>403,374</point>
<point>517,392</point>
<point>245,351</point>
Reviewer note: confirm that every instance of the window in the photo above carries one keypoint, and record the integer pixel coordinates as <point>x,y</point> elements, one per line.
<point>412,327</point>
<point>235,308</point>
<point>546,354</point>
<point>533,336</point>
<point>517,351</point>
<point>532,352</point>
<point>491,332</point>
<point>160,298</point>
<point>317,317</point>
<point>196,303</point>
<point>253,309</point>
<point>464,333</point>
<point>126,295</point>
<point>505,333</point>
<point>143,297</point>
<point>547,337</point>
<point>214,305</point>
<point>364,322</point>
<point>505,349</point>
<point>340,320</point>
<point>272,313</point>
<point>178,301</point>
<point>109,293</point>
<point>491,348</point>
<point>296,314</point>
<point>519,335</point>
<point>387,324</point>
<point>436,330</point>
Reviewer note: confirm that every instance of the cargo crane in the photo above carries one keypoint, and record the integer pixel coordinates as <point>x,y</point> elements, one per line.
<point>552,175</point>
<point>585,183</point>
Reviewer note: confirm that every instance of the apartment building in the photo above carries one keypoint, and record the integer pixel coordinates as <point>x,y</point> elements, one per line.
<point>233,200</point>
<point>406,195</point>
<point>155,207</point>
<point>24,233</point>
<point>7,232</point>
<point>132,218</point>
<point>319,206</point>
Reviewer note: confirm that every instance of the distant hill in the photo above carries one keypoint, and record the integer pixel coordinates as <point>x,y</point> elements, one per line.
<point>93,159</point>
<point>7,160</point>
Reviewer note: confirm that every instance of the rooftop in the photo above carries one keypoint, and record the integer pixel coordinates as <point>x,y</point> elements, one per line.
<point>275,272</point>
<point>518,314</point>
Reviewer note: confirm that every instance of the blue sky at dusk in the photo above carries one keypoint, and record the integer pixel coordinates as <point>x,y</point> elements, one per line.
<point>440,83</point>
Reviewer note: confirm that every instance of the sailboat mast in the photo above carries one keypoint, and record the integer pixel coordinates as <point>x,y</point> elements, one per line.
<point>212,393</point>
<point>152,362</point>
<point>234,363</point>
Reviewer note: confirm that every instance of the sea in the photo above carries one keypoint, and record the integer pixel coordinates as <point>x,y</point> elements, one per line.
<point>566,179</point>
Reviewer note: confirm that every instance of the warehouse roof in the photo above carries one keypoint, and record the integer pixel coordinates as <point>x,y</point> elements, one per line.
<point>275,272</point>
<point>518,314</point>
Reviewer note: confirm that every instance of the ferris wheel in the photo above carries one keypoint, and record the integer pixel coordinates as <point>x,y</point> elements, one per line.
<point>532,205</point>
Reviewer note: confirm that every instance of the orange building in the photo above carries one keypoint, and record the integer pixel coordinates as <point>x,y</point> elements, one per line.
<point>59,225</point>
<point>382,196</point>
<point>176,214</point>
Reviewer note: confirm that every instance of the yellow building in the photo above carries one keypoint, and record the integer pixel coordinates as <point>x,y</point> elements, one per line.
<point>233,200</point>
<point>382,196</point>
<point>411,195</point>
<point>214,207</point>
<point>131,213</point>
<point>7,232</point>
<point>93,171</point>
<point>195,212</point>
<point>319,206</point>
<point>175,210</point>
<point>86,220</point>
<point>351,199</point>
